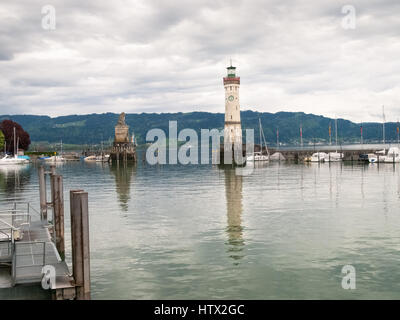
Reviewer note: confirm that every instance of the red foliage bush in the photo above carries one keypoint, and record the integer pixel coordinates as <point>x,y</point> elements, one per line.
<point>7,126</point>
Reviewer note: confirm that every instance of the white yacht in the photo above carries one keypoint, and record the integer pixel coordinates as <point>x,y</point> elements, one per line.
<point>318,157</point>
<point>7,160</point>
<point>90,159</point>
<point>12,160</point>
<point>393,155</point>
<point>103,158</point>
<point>55,159</point>
<point>334,157</point>
<point>372,158</point>
<point>257,156</point>
<point>100,158</point>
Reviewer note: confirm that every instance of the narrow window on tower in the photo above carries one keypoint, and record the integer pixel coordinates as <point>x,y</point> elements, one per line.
<point>231,88</point>
<point>231,117</point>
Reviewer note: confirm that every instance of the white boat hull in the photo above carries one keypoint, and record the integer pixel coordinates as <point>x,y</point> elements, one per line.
<point>257,158</point>
<point>7,160</point>
<point>55,159</point>
<point>334,157</point>
<point>318,157</point>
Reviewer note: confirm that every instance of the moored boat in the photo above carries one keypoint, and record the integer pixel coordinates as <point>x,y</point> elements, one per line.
<point>55,159</point>
<point>259,156</point>
<point>318,157</point>
<point>13,160</point>
<point>334,157</point>
<point>393,155</point>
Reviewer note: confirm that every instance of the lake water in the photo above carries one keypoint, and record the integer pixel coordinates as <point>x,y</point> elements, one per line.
<point>202,232</point>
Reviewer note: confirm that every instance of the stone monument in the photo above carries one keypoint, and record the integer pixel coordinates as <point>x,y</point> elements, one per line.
<point>124,148</point>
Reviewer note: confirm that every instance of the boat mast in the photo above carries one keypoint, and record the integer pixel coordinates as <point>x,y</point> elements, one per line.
<point>259,121</point>
<point>336,132</point>
<point>301,136</point>
<point>265,142</point>
<point>383,124</point>
<point>14,142</point>
<point>277,138</point>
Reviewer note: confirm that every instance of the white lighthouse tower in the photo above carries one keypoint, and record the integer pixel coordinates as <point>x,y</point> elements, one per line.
<point>233,128</point>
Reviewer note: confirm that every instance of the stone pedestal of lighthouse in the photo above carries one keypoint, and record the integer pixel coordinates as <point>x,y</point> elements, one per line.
<point>123,148</point>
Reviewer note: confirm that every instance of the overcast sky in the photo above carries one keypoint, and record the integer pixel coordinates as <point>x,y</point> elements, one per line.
<point>169,56</point>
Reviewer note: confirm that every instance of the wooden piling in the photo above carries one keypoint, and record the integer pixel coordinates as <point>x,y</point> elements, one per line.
<point>43,195</point>
<point>58,209</point>
<point>52,174</point>
<point>80,243</point>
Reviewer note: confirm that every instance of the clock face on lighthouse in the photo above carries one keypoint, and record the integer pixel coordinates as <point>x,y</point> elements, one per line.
<point>230,98</point>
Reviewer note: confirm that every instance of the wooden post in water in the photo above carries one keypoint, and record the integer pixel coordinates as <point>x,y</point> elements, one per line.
<point>58,209</point>
<point>80,243</point>
<point>43,195</point>
<point>52,191</point>
<point>52,174</point>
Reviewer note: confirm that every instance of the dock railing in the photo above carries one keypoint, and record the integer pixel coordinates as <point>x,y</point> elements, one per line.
<point>11,221</point>
<point>7,238</point>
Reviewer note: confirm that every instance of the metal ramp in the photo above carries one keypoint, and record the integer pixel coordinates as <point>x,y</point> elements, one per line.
<point>33,252</point>
<point>27,246</point>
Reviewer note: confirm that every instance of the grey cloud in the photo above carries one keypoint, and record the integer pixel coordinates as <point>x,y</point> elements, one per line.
<point>170,56</point>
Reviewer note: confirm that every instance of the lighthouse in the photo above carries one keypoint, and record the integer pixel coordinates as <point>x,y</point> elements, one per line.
<point>233,128</point>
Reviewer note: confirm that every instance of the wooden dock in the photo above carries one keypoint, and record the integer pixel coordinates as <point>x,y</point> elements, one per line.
<point>32,249</point>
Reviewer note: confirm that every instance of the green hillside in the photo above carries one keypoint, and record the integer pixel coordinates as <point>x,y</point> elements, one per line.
<point>94,128</point>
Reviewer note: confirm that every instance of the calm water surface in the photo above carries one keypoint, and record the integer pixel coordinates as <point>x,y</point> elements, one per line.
<point>196,232</point>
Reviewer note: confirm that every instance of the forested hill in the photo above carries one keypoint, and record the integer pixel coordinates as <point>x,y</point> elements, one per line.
<point>94,128</point>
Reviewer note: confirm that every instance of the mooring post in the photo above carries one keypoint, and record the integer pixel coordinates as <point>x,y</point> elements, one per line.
<point>43,196</point>
<point>52,174</point>
<point>58,209</point>
<point>80,243</point>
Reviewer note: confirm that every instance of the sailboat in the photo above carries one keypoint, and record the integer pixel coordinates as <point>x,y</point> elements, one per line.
<point>7,160</point>
<point>380,156</point>
<point>104,157</point>
<point>318,157</point>
<point>258,156</point>
<point>393,155</point>
<point>334,156</point>
<point>56,158</point>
